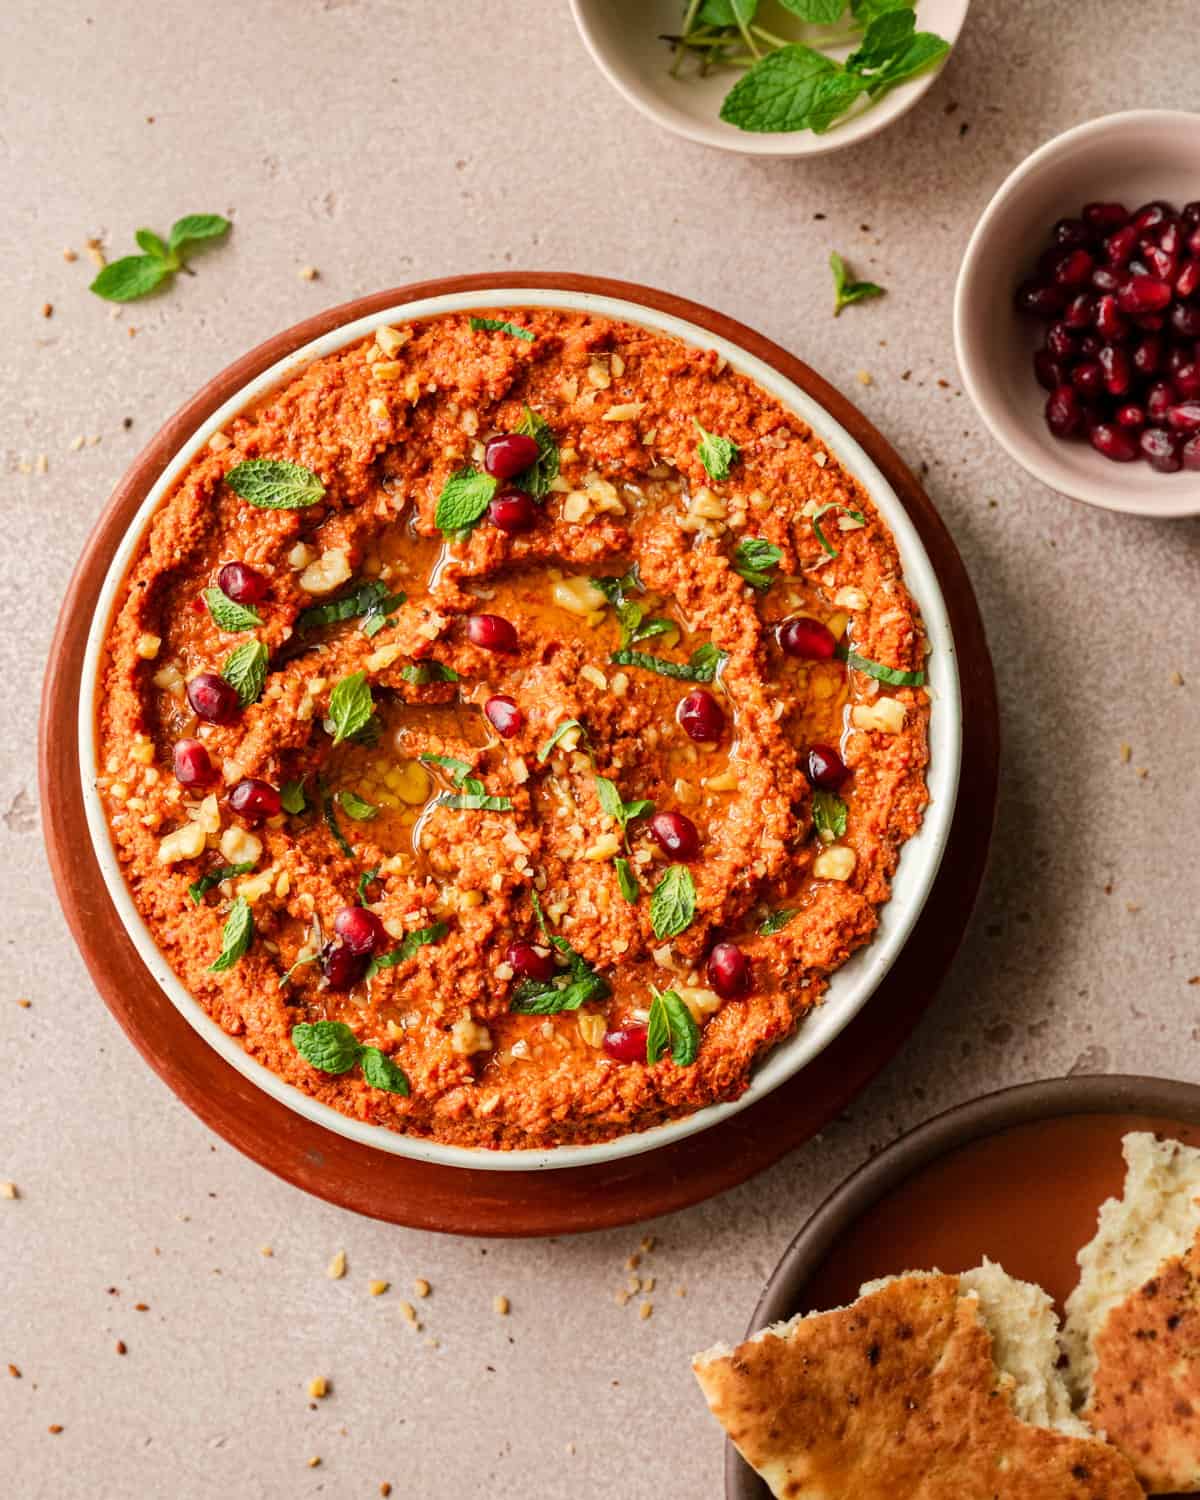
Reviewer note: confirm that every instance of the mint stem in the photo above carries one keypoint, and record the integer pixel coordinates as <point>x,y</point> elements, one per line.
<point>688,21</point>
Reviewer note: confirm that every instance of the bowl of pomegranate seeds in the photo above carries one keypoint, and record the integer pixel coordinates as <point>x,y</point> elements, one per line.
<point>1077,313</point>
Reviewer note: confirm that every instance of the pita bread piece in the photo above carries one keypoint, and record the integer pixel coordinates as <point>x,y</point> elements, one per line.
<point>1133,1322</point>
<point>903,1397</point>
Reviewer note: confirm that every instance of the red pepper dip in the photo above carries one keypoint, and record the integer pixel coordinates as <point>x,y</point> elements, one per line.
<point>508,726</point>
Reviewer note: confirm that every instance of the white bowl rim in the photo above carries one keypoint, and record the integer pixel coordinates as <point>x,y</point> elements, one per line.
<point>1030,459</point>
<point>850,987</point>
<point>782,143</point>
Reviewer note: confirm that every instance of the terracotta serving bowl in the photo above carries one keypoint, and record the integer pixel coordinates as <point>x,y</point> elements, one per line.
<point>410,1182</point>
<point>801,1281</point>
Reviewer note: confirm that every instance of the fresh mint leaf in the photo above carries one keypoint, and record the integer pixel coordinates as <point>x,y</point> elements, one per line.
<point>559,731</point>
<point>301,963</point>
<point>780,91</point>
<point>351,706</point>
<point>716,453</point>
<point>612,806</point>
<point>829,816</point>
<point>673,904</point>
<point>129,278</point>
<point>464,498</point>
<point>421,673</point>
<point>727,12</point>
<point>834,96</point>
<point>535,481</point>
<point>246,671</point>
<point>474,797</point>
<point>497,325</point>
<point>200,888</point>
<point>363,599</point>
<point>755,560</point>
<point>365,880</point>
<point>893,676</point>
<point>275,484</point>
<point>865,11</point>
<point>228,615</point>
<point>379,615</point>
<point>922,52</point>
<point>826,545</point>
<point>407,948</point>
<point>617,590</point>
<point>701,666</point>
<point>236,936</point>
<point>817,12</point>
<point>193,227</point>
<point>382,1073</point>
<point>153,245</point>
<point>777,921</point>
<point>457,770</point>
<point>627,880</point>
<point>329,814</point>
<point>328,1046</point>
<point>886,35</point>
<point>845,290</point>
<point>671,1025</point>
<point>357,807</point>
<point>567,991</point>
<point>291,795</point>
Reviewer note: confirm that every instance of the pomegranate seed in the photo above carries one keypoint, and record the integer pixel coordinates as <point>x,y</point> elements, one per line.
<point>1072,232</point>
<point>1170,239</point>
<point>1150,215</point>
<point>1192,244</point>
<point>504,715</point>
<point>1090,345</point>
<point>512,510</point>
<point>1142,294</point>
<point>1113,443</point>
<point>1185,319</point>
<point>1185,417</point>
<point>1105,280</point>
<point>243,584</point>
<point>1073,268</point>
<point>1060,341</point>
<point>1160,449</point>
<point>342,967</point>
<point>360,929</point>
<point>1079,312</point>
<point>192,764</point>
<point>807,639</point>
<point>1104,216</point>
<point>675,835</point>
<point>1151,322</point>
<point>1161,264</point>
<point>1188,279</point>
<point>1159,399</point>
<point>626,1043</point>
<point>1088,378</point>
<point>510,454</point>
<point>527,963</point>
<point>825,768</point>
<point>255,799</point>
<point>700,716</point>
<point>728,970</point>
<point>1187,380</point>
<point>1118,371</point>
<point>212,698</point>
<point>1119,246</point>
<point>1147,353</point>
<point>1191,212</point>
<point>1190,454</point>
<point>1064,413</point>
<point>1109,322</point>
<point>1131,417</point>
<point>1041,300</point>
<point>1048,370</point>
<point>1178,355</point>
<point>492,632</point>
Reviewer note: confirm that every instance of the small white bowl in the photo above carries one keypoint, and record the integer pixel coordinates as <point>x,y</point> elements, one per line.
<point>624,39</point>
<point>1130,158</point>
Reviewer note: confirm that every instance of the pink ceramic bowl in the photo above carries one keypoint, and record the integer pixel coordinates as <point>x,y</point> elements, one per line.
<point>1131,157</point>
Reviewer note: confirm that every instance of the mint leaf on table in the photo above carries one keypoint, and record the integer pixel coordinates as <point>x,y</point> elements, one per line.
<point>755,560</point>
<point>671,1025</point>
<point>497,325</point>
<point>291,796</point>
<point>535,481</point>
<point>227,614</point>
<point>275,484</point>
<point>777,920</point>
<point>129,278</point>
<point>200,888</point>
<point>382,1073</point>
<point>829,816</point>
<point>421,673</point>
<point>194,227</point>
<point>245,670</point>
<point>351,706</point>
<point>559,731</point>
<point>329,1046</point>
<point>236,936</point>
<point>846,290</point>
<point>673,904</point>
<point>715,452</point>
<point>826,545</point>
<point>357,807</point>
<point>464,498</point>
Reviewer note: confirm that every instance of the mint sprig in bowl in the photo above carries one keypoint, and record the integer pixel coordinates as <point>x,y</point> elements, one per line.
<point>788,78</point>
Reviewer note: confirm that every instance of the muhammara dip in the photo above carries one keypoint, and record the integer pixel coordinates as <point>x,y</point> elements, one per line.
<point>508,726</point>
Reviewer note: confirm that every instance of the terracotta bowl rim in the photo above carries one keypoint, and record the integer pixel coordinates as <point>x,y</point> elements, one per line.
<point>914,879</point>
<point>916,1149</point>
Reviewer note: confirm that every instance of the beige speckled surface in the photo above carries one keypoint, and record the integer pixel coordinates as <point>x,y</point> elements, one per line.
<point>381,141</point>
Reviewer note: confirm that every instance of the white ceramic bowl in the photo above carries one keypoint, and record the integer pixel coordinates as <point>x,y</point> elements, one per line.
<point>1129,158</point>
<point>623,38</point>
<point>852,985</point>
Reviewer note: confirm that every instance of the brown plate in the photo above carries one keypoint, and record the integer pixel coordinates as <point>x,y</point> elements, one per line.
<point>1017,1176</point>
<point>460,1200</point>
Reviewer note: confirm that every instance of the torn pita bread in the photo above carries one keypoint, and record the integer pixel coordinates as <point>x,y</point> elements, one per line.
<point>902,1397</point>
<point>1133,1322</point>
